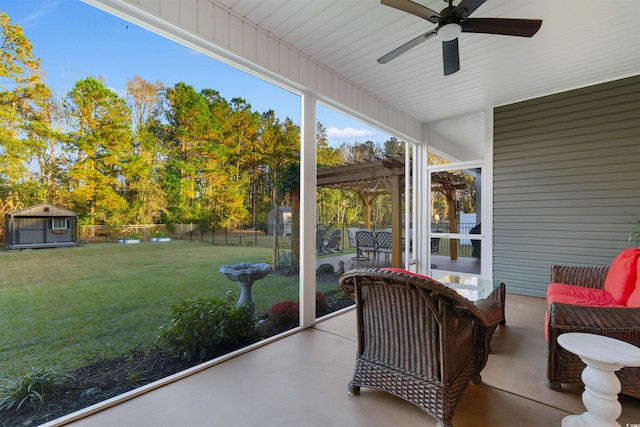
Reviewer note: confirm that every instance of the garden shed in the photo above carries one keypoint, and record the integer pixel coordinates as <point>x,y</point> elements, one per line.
<point>284,221</point>
<point>41,226</point>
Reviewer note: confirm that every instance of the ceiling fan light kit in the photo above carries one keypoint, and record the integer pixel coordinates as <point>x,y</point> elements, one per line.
<point>448,32</point>
<point>451,22</point>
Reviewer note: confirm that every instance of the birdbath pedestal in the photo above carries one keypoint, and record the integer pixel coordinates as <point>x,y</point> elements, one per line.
<point>246,274</point>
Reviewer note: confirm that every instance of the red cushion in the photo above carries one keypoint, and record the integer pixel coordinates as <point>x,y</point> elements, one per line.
<point>634,298</point>
<point>402,270</point>
<point>621,278</point>
<point>579,295</point>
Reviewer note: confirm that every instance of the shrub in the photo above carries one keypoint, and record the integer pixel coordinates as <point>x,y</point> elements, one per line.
<point>285,312</point>
<point>30,387</point>
<point>205,328</point>
<point>288,312</point>
<point>325,269</point>
<point>322,306</point>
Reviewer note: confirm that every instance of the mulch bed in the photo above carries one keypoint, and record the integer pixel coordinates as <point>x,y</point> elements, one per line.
<point>105,379</point>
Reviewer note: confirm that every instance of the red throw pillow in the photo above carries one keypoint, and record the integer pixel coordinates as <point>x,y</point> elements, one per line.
<point>621,278</point>
<point>579,295</point>
<point>634,298</point>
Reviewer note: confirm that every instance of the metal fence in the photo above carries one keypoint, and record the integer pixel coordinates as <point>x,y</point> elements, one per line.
<point>240,236</point>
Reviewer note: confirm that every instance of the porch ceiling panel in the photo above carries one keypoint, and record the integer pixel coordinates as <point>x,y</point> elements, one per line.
<point>337,43</point>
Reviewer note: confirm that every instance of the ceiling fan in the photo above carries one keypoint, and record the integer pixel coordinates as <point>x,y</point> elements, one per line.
<point>453,20</point>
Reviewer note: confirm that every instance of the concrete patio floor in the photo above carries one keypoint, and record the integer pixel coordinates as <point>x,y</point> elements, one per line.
<point>301,379</point>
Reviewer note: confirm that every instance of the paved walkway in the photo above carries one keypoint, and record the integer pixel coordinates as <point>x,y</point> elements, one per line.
<point>462,265</point>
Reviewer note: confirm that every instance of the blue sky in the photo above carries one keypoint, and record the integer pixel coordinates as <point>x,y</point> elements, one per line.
<point>75,41</point>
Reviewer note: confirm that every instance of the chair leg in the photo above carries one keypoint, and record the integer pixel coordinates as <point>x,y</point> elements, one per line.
<point>554,385</point>
<point>353,390</point>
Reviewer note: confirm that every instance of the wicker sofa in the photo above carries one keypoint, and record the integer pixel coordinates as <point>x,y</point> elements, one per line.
<point>418,339</point>
<point>603,300</point>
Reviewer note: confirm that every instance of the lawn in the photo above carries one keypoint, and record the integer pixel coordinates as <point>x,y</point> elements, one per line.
<point>67,307</point>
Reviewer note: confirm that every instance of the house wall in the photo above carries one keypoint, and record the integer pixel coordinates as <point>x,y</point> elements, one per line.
<point>566,181</point>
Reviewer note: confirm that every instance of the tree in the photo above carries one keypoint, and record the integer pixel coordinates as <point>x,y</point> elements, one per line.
<point>20,91</point>
<point>143,189</point>
<point>99,142</point>
<point>280,142</point>
<point>221,193</point>
<point>189,121</point>
<point>393,147</point>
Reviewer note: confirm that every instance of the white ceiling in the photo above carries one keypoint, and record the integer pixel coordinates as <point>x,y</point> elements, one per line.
<point>580,43</point>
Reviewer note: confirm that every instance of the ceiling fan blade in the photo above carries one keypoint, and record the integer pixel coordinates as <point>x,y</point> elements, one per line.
<point>503,26</point>
<point>405,47</point>
<point>450,56</point>
<point>466,8</point>
<point>414,9</point>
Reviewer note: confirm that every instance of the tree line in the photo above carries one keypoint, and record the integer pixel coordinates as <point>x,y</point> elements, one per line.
<point>155,154</point>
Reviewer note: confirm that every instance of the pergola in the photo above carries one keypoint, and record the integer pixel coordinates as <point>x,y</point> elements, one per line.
<point>386,176</point>
<point>369,179</point>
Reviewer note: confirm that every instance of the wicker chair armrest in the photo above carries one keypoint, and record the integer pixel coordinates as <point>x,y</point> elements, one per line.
<point>586,276</point>
<point>490,312</point>
<point>600,320</point>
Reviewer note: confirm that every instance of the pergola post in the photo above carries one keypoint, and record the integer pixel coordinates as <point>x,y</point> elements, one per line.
<point>396,221</point>
<point>367,199</point>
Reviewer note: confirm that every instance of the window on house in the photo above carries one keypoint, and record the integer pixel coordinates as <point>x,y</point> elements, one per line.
<point>59,224</point>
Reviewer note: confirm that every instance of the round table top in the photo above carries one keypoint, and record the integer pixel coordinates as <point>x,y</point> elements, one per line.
<point>601,348</point>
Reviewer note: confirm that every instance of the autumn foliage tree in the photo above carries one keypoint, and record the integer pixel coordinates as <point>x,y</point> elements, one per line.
<point>99,147</point>
<point>21,95</point>
<point>155,154</point>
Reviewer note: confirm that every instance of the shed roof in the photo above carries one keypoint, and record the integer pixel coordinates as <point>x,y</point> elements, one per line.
<point>43,209</point>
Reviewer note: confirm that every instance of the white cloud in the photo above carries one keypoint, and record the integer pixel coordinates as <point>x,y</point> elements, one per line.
<point>43,10</point>
<point>348,133</point>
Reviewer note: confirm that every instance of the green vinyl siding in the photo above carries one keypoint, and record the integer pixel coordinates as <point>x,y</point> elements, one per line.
<point>566,181</point>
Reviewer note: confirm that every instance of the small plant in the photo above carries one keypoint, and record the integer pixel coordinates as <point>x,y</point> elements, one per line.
<point>205,328</point>
<point>634,235</point>
<point>30,387</point>
<point>135,376</point>
<point>159,234</point>
<point>285,312</point>
<point>288,312</point>
<point>322,306</point>
<point>248,242</point>
<point>325,269</point>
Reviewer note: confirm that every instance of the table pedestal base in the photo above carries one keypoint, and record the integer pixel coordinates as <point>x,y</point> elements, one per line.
<point>600,396</point>
<point>603,357</point>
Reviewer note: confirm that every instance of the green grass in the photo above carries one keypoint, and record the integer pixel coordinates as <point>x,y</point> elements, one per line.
<point>67,307</point>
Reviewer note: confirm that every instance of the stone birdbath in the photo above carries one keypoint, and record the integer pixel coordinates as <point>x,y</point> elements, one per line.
<point>246,274</point>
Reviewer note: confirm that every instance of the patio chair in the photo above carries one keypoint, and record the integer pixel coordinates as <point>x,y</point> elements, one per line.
<point>332,244</point>
<point>365,242</point>
<point>353,243</point>
<point>619,322</point>
<point>383,243</point>
<point>417,338</point>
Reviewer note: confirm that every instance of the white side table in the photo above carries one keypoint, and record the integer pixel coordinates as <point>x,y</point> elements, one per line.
<point>603,356</point>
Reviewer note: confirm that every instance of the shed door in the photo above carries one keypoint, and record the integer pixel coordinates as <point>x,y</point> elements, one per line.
<point>31,230</point>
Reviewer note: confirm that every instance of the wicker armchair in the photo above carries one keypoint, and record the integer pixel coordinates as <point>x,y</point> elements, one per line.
<point>620,323</point>
<point>418,339</point>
